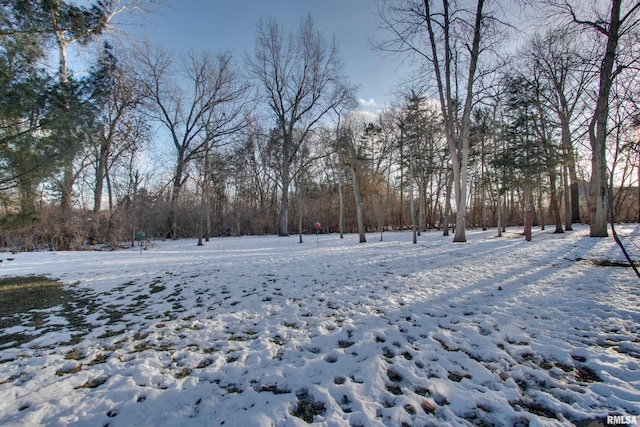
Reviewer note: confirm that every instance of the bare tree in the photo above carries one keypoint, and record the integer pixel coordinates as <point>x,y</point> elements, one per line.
<point>339,176</point>
<point>300,77</point>
<point>350,141</point>
<point>562,66</point>
<point>449,37</point>
<point>123,129</point>
<point>391,141</point>
<point>195,117</point>
<point>612,23</point>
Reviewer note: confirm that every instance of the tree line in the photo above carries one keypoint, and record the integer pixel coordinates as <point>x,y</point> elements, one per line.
<point>274,143</point>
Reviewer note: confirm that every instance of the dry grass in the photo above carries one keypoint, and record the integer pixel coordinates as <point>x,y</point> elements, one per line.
<point>22,294</point>
<point>22,301</point>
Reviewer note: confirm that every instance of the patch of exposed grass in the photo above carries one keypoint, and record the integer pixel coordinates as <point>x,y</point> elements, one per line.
<point>100,358</point>
<point>23,294</point>
<point>608,262</point>
<point>204,363</point>
<point>115,314</point>
<point>22,300</point>
<point>307,407</point>
<point>28,301</point>
<point>14,340</point>
<point>74,355</point>
<point>70,370</point>
<point>410,409</point>
<point>93,383</point>
<point>109,334</point>
<point>587,375</point>
<point>233,389</point>
<point>273,388</point>
<point>139,336</point>
<point>537,409</point>
<point>140,347</point>
<point>183,373</point>
<point>455,377</point>
<point>345,343</point>
<point>13,378</point>
<point>394,376</point>
<point>393,389</point>
<point>156,287</point>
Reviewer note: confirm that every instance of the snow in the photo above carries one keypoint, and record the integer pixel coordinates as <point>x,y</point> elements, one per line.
<point>266,331</point>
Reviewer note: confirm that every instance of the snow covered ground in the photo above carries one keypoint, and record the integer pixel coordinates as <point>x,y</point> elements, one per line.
<point>265,331</point>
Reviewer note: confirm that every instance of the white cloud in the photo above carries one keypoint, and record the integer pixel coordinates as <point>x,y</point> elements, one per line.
<point>367,102</point>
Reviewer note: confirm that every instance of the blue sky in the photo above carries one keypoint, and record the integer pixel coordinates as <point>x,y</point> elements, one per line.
<point>216,25</point>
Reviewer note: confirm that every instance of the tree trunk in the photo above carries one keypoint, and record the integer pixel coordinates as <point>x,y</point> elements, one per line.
<point>568,219</point>
<point>66,189</point>
<point>598,129</point>
<point>401,219</point>
<point>67,179</point>
<point>574,194</point>
<point>287,154</point>
<point>459,154</point>
<point>411,198</point>
<point>201,221</point>
<point>27,197</point>
<point>460,186</point>
<point>340,197</point>
<point>570,162</point>
<point>134,211</point>
<point>483,189</point>
<point>499,214</point>
<point>207,210</point>
<point>422,202</point>
<point>284,203</point>
<point>172,221</point>
<point>300,220</point>
<point>356,193</point>
<point>100,174</point>
<point>205,196</point>
<point>554,205</point>
<point>461,197</point>
<point>447,204</point>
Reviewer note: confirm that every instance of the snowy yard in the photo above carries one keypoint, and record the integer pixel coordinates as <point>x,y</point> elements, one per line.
<point>265,331</point>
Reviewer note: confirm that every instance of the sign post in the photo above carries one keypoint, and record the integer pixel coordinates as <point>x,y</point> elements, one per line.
<point>140,235</point>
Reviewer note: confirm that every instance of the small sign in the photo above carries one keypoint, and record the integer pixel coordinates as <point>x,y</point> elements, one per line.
<point>317,225</point>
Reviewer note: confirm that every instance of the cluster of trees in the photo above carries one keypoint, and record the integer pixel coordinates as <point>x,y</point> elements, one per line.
<point>278,144</point>
<point>54,123</point>
<point>560,83</point>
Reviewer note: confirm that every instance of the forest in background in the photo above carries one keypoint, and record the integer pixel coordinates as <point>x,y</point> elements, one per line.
<point>274,143</point>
